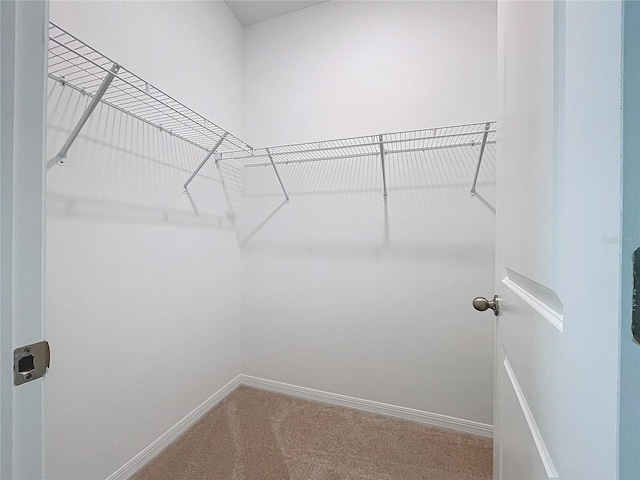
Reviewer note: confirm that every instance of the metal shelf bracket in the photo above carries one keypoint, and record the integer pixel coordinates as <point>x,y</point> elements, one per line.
<point>384,174</point>
<point>277,175</point>
<point>62,154</point>
<point>473,192</point>
<point>202,164</point>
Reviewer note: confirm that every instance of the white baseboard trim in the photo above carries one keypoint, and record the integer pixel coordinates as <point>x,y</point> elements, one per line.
<point>404,413</point>
<point>427,418</point>
<point>146,455</point>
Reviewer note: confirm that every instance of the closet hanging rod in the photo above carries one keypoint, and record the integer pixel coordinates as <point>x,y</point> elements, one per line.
<point>75,64</point>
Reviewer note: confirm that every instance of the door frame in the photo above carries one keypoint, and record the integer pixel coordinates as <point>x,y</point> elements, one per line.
<point>23,74</point>
<point>629,407</point>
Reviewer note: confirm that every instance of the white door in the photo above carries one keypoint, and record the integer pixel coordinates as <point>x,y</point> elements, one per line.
<point>23,37</point>
<point>558,240</point>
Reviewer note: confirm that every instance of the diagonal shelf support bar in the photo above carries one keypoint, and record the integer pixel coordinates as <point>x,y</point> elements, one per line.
<point>62,154</point>
<point>384,173</point>
<point>230,213</point>
<point>484,144</point>
<point>277,174</point>
<point>203,162</point>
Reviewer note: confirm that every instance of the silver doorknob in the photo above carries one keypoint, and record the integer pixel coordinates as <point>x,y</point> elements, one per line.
<point>481,304</point>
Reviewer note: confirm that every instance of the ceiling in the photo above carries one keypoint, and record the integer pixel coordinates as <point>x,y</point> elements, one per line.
<point>249,12</point>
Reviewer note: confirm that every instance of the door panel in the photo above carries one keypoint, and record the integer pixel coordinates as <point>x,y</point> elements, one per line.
<point>527,140</point>
<point>520,454</point>
<point>524,242</point>
<point>557,240</point>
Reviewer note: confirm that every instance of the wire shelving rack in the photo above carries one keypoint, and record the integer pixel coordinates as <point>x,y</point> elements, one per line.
<point>73,63</point>
<point>384,146</point>
<point>393,143</point>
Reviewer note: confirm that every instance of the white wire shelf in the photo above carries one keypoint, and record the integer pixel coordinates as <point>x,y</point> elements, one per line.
<point>472,137</point>
<point>456,136</point>
<point>75,64</point>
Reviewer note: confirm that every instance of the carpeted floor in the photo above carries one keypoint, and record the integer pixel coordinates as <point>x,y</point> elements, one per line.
<point>258,435</point>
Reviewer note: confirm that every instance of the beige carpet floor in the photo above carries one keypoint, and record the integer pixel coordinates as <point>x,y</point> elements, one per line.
<point>258,435</point>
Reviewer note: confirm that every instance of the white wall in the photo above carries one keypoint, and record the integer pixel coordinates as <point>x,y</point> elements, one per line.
<point>341,293</point>
<point>143,287</point>
<point>356,68</point>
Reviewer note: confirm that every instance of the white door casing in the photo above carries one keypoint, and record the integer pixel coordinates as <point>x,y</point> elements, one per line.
<point>629,432</point>
<point>557,258</point>
<point>23,40</point>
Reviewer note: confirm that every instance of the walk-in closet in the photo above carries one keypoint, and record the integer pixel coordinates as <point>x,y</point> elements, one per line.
<point>313,257</point>
<point>266,226</point>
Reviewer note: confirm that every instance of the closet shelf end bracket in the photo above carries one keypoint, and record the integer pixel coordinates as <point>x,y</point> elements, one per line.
<point>384,174</point>
<point>482,147</point>
<point>284,190</point>
<point>202,164</point>
<point>62,154</point>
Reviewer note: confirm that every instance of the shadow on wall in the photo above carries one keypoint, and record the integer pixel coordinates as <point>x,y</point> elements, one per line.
<point>343,200</point>
<point>346,293</point>
<point>122,170</point>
